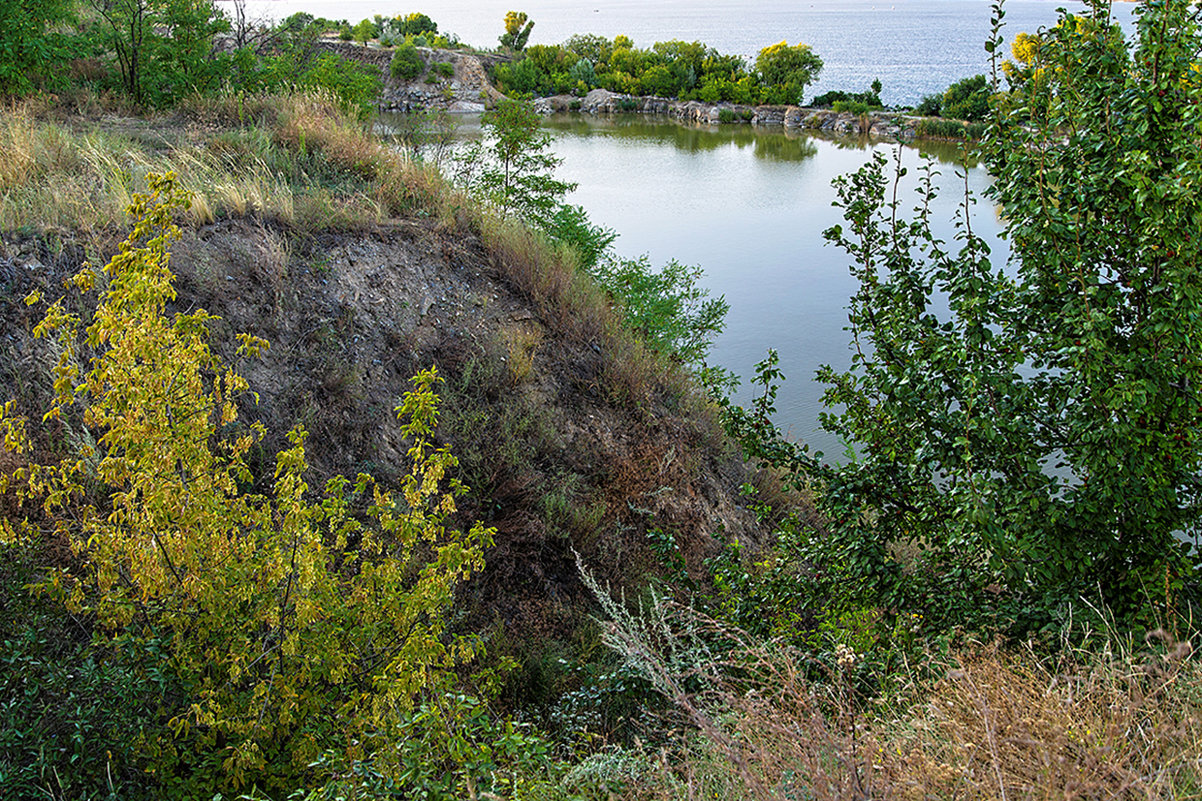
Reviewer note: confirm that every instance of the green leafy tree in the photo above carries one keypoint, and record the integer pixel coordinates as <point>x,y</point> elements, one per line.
<point>788,70</point>
<point>296,621</point>
<point>668,307</point>
<point>1033,430</point>
<point>966,100</point>
<point>517,31</point>
<point>597,49</point>
<point>415,24</point>
<point>406,63</point>
<point>163,48</point>
<point>33,44</point>
<point>364,31</point>
<point>513,169</point>
<point>570,225</point>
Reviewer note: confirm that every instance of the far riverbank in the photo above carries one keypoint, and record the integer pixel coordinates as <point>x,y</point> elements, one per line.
<point>468,89</point>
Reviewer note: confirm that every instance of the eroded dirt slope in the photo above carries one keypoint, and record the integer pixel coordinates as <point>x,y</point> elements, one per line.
<point>557,458</point>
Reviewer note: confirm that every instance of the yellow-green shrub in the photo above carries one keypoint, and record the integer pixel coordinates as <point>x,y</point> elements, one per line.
<point>296,625</point>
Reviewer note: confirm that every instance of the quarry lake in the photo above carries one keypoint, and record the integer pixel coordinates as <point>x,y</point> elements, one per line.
<point>749,206</point>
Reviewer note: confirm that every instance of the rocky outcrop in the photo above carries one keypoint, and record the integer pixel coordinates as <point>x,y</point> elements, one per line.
<point>883,124</point>
<point>467,90</point>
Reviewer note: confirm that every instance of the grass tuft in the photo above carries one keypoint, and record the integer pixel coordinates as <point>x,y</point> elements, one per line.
<point>762,721</point>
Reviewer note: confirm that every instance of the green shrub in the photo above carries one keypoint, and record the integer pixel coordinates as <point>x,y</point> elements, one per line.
<point>828,99</point>
<point>443,68</point>
<point>1028,455</point>
<point>967,99</point>
<point>668,307</point>
<point>357,86</point>
<point>406,63</point>
<point>584,72</point>
<point>938,128</point>
<point>857,107</point>
<point>870,99</point>
<point>726,115</point>
<point>929,106</point>
<point>74,717</point>
<point>570,225</point>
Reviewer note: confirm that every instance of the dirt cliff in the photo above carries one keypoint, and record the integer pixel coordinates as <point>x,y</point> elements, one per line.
<point>567,442</point>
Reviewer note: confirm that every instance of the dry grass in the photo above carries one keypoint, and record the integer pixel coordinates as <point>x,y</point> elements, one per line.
<point>995,723</point>
<point>1096,726</point>
<point>312,122</point>
<point>521,344</point>
<point>564,296</point>
<point>578,310</point>
<point>301,161</point>
<point>295,158</point>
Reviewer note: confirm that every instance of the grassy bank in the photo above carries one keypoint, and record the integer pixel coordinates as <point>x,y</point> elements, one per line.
<point>576,438</point>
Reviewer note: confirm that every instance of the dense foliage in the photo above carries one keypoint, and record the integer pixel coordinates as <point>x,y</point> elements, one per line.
<point>33,46</point>
<point>159,53</point>
<point>787,71</point>
<point>1026,437</point>
<point>870,99</point>
<point>676,69</point>
<point>406,63</point>
<point>286,624</point>
<point>1022,444</point>
<point>966,99</point>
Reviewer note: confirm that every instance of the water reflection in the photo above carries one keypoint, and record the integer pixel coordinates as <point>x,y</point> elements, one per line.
<point>768,143</point>
<point>778,144</point>
<point>749,206</point>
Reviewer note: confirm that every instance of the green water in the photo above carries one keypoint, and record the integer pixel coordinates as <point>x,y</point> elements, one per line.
<point>750,207</point>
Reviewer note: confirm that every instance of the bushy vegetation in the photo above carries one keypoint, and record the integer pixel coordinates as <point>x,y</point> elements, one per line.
<point>271,610</point>
<point>406,63</point>
<point>511,169</point>
<point>870,99</point>
<point>158,54</point>
<point>993,594</point>
<point>936,128</point>
<point>1026,452</point>
<point>675,69</point>
<point>967,99</point>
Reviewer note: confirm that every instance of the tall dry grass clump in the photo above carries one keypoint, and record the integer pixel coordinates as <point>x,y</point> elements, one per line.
<point>579,310</point>
<point>297,158</point>
<point>539,270</point>
<point>762,721</point>
<point>1105,725</point>
<point>314,121</point>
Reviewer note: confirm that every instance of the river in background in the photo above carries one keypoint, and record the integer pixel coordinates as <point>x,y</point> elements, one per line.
<point>916,47</point>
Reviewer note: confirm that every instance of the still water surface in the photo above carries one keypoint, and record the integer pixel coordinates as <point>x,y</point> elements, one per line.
<point>916,47</point>
<point>749,206</point>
